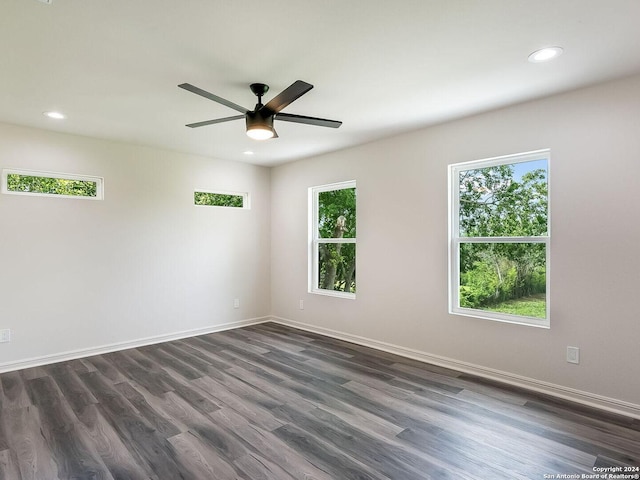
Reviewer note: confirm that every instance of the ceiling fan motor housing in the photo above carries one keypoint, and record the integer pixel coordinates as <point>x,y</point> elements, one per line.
<point>255,119</point>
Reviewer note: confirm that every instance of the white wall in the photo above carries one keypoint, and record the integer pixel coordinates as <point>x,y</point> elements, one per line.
<point>145,262</point>
<point>594,137</point>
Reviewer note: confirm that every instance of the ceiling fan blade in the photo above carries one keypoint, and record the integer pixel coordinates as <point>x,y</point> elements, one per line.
<point>217,120</point>
<point>285,97</point>
<point>320,122</point>
<point>211,96</point>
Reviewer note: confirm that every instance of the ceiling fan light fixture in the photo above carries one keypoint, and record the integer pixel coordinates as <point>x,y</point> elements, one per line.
<point>260,133</point>
<point>259,128</point>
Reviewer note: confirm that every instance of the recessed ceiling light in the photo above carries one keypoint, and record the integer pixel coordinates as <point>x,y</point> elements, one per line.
<point>248,152</point>
<point>545,54</point>
<point>56,115</point>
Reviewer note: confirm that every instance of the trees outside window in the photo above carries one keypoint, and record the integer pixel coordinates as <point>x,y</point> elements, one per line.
<point>333,239</point>
<point>51,184</point>
<point>499,238</point>
<point>221,199</point>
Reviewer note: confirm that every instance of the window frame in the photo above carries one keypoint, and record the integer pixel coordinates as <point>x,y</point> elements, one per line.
<point>455,239</point>
<point>315,240</point>
<point>246,198</point>
<point>99,181</point>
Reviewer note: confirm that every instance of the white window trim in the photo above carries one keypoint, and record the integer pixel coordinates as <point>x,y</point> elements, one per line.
<point>99,181</point>
<point>246,198</point>
<point>455,240</point>
<point>314,241</point>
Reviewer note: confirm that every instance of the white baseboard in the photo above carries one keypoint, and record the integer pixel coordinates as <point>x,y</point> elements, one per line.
<point>578,396</point>
<point>113,347</point>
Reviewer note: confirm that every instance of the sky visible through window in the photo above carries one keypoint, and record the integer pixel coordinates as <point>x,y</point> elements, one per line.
<point>519,169</point>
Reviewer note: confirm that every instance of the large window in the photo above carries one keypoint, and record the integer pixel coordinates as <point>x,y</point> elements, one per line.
<point>332,233</point>
<point>22,182</point>
<point>499,238</point>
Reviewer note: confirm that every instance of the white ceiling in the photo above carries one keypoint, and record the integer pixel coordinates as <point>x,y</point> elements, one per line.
<point>382,67</point>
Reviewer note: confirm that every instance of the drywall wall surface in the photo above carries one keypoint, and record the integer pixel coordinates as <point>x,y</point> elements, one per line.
<point>144,262</point>
<point>403,240</point>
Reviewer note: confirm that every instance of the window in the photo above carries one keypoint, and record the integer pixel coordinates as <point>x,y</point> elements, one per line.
<point>221,199</point>
<point>332,233</point>
<point>499,238</point>
<point>49,184</point>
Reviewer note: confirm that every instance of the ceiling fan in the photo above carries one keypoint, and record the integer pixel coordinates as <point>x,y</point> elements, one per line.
<point>260,120</point>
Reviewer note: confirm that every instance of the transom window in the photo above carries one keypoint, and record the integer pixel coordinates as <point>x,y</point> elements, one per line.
<point>499,238</point>
<point>332,232</point>
<point>48,184</point>
<point>221,199</point>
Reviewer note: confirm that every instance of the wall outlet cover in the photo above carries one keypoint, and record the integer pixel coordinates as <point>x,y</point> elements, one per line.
<point>573,355</point>
<point>5,335</point>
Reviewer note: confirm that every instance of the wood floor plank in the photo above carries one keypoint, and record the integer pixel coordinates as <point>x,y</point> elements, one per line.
<point>255,368</point>
<point>75,456</point>
<point>223,342</point>
<point>298,395</point>
<point>201,461</point>
<point>325,456</point>
<point>161,357</point>
<point>109,446</point>
<point>250,410</point>
<point>209,352</point>
<point>161,423</point>
<point>137,434</point>
<point>212,445</point>
<point>14,394</point>
<point>274,403</point>
<point>72,388</point>
<point>8,466</point>
<point>256,467</point>
<point>31,373</point>
<point>104,365</point>
<point>490,428</point>
<point>133,364</point>
<point>382,456</point>
<point>270,342</point>
<point>34,456</point>
<point>270,446</point>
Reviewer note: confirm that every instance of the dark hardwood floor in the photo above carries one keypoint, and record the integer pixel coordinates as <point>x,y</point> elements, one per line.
<point>271,402</point>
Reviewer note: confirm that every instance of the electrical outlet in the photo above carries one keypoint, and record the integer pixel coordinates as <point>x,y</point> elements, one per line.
<point>236,303</point>
<point>301,304</point>
<point>573,355</point>
<point>5,335</point>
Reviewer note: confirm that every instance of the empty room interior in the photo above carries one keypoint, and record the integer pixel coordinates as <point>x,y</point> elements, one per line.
<point>184,293</point>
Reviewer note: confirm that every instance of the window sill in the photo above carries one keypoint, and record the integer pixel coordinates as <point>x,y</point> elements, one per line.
<point>333,293</point>
<point>502,317</point>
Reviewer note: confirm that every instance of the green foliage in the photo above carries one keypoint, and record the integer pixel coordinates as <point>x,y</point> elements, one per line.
<point>493,203</point>
<point>337,219</point>
<point>333,204</point>
<point>51,186</point>
<point>534,306</point>
<point>218,199</point>
<point>337,264</point>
